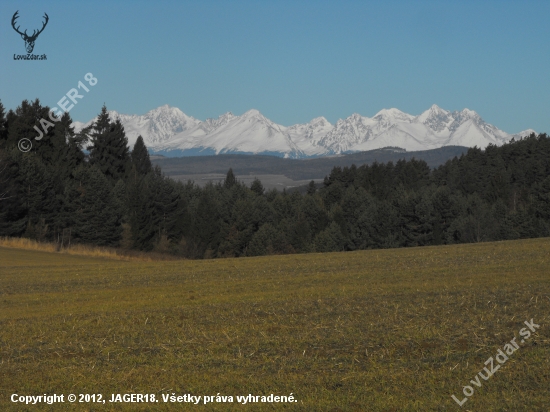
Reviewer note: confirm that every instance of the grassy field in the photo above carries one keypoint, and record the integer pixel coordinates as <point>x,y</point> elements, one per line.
<point>381,330</point>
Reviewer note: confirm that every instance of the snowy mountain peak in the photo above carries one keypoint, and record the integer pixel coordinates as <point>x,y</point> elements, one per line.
<point>224,118</point>
<point>168,112</point>
<point>164,109</point>
<point>391,116</point>
<point>393,112</point>
<point>524,133</point>
<point>436,118</point>
<point>252,113</point>
<point>434,108</point>
<point>320,121</point>
<point>465,115</point>
<point>210,124</point>
<point>469,113</point>
<point>433,112</point>
<point>168,130</point>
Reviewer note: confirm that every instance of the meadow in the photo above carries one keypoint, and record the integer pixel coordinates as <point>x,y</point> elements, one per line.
<point>378,330</point>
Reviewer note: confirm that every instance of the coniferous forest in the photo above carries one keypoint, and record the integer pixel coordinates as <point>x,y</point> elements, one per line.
<point>92,188</point>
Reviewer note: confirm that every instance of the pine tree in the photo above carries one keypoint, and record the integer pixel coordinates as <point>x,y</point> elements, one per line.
<point>97,218</point>
<point>311,188</point>
<point>21,122</point>
<point>168,214</point>
<point>268,240</point>
<point>120,198</point>
<point>330,240</point>
<point>109,148</point>
<point>205,228</point>
<point>354,204</point>
<point>140,157</point>
<point>141,214</point>
<point>230,179</point>
<point>541,205</point>
<point>70,148</point>
<point>38,195</point>
<point>257,187</point>
<point>13,213</point>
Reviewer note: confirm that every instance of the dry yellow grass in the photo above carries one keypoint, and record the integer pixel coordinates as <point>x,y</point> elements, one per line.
<point>82,250</point>
<point>382,330</point>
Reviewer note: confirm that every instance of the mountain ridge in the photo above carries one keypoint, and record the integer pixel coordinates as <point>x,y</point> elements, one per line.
<point>170,131</point>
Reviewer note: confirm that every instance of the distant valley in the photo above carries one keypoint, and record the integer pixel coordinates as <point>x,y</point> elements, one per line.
<point>281,173</point>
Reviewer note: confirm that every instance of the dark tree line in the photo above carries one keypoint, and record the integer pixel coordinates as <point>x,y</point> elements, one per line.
<point>90,188</point>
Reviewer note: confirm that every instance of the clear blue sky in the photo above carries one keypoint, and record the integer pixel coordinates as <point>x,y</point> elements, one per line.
<point>292,60</point>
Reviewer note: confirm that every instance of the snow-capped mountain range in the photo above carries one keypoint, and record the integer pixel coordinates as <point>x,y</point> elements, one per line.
<point>169,131</point>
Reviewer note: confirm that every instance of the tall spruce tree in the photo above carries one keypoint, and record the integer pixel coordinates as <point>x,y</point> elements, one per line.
<point>142,215</point>
<point>230,179</point>
<point>69,150</point>
<point>140,157</point>
<point>257,187</point>
<point>109,148</point>
<point>13,211</point>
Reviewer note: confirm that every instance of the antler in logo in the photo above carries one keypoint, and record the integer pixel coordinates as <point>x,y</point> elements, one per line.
<point>29,40</point>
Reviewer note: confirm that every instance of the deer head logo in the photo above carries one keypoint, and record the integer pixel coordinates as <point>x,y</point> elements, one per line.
<point>29,40</point>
